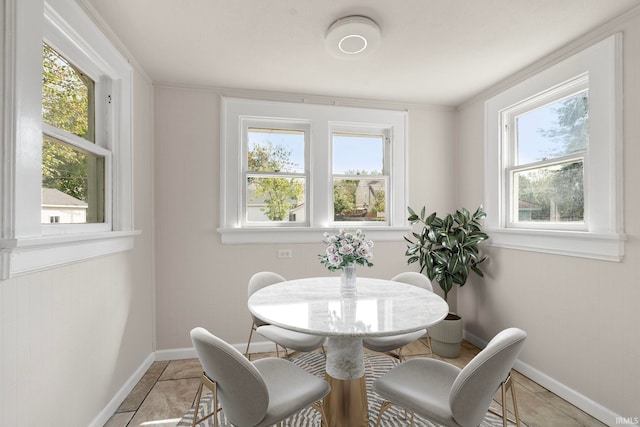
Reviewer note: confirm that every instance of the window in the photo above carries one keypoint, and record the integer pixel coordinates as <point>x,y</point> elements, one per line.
<point>73,166</point>
<point>67,190</point>
<point>360,176</point>
<point>275,174</point>
<point>547,138</point>
<point>291,171</point>
<point>553,163</point>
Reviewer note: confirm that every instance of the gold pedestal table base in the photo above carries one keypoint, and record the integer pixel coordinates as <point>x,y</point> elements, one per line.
<point>346,404</point>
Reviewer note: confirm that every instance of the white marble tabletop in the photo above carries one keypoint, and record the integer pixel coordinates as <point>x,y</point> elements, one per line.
<point>315,306</point>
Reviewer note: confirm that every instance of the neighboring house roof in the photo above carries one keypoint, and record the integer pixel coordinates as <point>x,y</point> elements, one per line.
<point>54,197</point>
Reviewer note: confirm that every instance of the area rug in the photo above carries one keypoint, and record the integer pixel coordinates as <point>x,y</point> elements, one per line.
<point>375,366</point>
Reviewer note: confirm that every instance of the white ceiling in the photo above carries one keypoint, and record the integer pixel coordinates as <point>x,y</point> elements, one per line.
<point>438,52</point>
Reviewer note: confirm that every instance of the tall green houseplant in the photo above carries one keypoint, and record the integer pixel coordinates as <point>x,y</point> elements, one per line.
<point>447,248</point>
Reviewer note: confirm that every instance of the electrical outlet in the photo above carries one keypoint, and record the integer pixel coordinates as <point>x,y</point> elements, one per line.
<point>284,253</point>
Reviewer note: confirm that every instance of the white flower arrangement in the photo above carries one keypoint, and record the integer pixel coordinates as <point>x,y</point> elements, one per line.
<point>346,248</point>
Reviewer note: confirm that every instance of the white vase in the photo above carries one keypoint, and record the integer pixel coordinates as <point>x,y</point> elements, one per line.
<point>348,280</point>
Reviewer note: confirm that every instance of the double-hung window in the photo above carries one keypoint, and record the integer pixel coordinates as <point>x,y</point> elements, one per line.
<point>276,176</point>
<point>360,174</point>
<point>66,192</point>
<point>553,169</point>
<point>74,166</point>
<point>547,139</point>
<point>290,171</point>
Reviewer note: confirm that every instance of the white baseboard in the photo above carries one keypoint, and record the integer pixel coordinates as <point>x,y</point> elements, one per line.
<point>175,354</point>
<point>190,353</point>
<point>577,399</point>
<point>111,408</point>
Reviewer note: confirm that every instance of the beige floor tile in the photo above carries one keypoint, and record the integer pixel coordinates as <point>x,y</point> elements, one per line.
<point>141,390</point>
<point>527,383</point>
<point>167,402</point>
<point>120,419</point>
<point>571,411</point>
<point>536,411</point>
<point>181,369</point>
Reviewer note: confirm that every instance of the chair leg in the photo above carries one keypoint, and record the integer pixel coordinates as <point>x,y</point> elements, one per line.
<point>515,403</point>
<point>318,406</point>
<point>383,407</point>
<point>428,338</point>
<point>196,404</point>
<point>246,353</point>
<point>211,385</point>
<point>504,386</point>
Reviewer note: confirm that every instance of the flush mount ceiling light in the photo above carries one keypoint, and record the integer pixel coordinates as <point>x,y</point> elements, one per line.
<point>352,37</point>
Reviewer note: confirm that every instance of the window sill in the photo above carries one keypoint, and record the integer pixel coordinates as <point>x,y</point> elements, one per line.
<point>607,247</point>
<point>21,256</point>
<point>304,235</point>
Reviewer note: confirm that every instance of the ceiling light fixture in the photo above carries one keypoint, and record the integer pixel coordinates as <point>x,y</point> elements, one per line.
<point>352,37</point>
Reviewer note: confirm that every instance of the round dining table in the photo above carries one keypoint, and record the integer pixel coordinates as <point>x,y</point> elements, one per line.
<point>379,308</point>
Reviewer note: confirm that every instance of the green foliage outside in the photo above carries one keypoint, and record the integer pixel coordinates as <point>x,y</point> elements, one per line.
<point>344,196</point>
<point>558,194</point>
<point>280,194</point>
<point>65,105</point>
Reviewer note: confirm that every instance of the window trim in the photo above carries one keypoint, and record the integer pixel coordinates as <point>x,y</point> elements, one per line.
<point>322,119</point>
<point>605,237</point>
<point>24,247</point>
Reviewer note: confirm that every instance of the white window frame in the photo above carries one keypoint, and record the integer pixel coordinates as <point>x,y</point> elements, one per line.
<point>295,125</point>
<point>508,119</point>
<point>321,120</point>
<point>601,236</point>
<point>26,245</point>
<point>387,134</point>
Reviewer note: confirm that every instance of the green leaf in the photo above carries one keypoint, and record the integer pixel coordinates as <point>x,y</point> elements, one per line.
<point>477,270</point>
<point>449,241</point>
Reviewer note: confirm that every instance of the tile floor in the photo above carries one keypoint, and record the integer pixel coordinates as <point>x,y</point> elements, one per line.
<point>167,390</point>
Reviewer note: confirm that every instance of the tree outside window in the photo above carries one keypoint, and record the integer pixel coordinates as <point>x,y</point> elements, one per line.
<point>67,168</point>
<point>549,178</point>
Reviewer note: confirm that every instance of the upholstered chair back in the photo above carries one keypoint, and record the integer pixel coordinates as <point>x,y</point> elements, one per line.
<point>261,280</point>
<point>477,383</point>
<point>238,381</point>
<point>414,278</point>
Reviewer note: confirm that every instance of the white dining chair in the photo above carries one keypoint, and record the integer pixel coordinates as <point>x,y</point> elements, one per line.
<point>448,395</point>
<point>287,339</point>
<point>394,344</point>
<point>275,387</point>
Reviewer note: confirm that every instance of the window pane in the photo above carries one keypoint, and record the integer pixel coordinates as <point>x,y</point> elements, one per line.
<point>67,96</point>
<point>358,154</point>
<point>275,150</point>
<point>72,184</point>
<point>275,199</point>
<point>363,199</point>
<point>550,194</point>
<point>554,130</point>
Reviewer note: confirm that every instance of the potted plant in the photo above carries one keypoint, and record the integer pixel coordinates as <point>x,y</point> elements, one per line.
<point>447,249</point>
